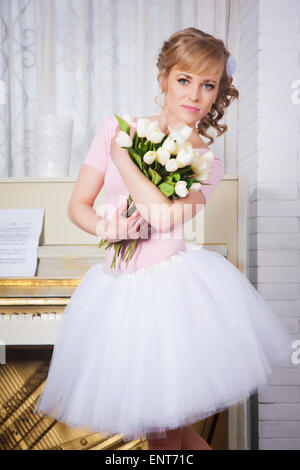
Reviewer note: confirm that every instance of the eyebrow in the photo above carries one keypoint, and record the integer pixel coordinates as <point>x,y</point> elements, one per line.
<point>186,75</point>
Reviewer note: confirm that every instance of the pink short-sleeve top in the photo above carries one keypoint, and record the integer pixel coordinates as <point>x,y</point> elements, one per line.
<point>157,246</point>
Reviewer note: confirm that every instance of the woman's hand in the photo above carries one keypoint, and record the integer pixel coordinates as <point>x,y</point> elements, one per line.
<point>121,227</point>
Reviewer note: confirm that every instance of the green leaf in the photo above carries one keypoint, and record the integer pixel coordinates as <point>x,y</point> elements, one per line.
<point>167,188</point>
<point>123,125</point>
<point>176,176</point>
<point>155,177</point>
<point>163,139</point>
<point>134,139</point>
<point>136,158</point>
<point>148,146</point>
<point>189,183</point>
<point>169,179</point>
<point>187,170</point>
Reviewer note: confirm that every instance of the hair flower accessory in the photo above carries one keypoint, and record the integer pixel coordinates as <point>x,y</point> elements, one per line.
<point>230,65</point>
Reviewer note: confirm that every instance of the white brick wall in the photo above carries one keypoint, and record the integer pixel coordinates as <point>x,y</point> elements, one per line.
<point>269,155</point>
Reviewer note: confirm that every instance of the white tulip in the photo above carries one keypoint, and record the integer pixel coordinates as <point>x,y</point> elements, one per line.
<point>202,176</point>
<point>194,165</point>
<point>184,158</point>
<point>199,163</point>
<point>203,165</point>
<point>209,156</point>
<point>196,154</point>
<point>195,187</point>
<point>188,147</point>
<point>171,165</point>
<point>169,145</point>
<point>162,155</point>
<point>199,166</point>
<point>181,189</point>
<point>197,176</point>
<point>123,139</point>
<point>174,135</point>
<point>151,126</point>
<point>141,127</point>
<point>180,144</point>
<point>127,118</point>
<point>155,136</point>
<point>149,157</point>
<point>184,131</point>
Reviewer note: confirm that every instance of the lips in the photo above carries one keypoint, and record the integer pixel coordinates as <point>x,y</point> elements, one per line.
<point>190,107</point>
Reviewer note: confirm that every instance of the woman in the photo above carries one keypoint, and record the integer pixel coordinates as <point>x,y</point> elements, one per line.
<point>180,334</point>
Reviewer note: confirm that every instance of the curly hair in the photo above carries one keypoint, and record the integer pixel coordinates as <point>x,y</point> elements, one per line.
<point>195,51</point>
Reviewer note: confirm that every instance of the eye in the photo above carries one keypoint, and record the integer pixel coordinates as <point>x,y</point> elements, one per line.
<point>184,79</point>
<point>212,86</point>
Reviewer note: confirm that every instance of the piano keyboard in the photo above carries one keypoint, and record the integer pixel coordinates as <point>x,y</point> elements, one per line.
<point>29,328</point>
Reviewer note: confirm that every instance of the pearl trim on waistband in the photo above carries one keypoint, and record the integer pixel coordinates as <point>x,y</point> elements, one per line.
<point>152,267</point>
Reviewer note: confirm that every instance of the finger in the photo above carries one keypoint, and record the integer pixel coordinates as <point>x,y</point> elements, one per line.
<point>135,223</point>
<point>133,234</point>
<point>144,232</point>
<point>134,226</point>
<point>135,216</point>
<point>122,209</point>
<point>136,213</point>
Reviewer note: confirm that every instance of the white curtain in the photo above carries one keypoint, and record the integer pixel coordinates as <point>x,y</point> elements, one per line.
<point>87,59</point>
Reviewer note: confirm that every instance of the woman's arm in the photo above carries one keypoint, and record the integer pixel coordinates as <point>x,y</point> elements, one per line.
<point>186,208</point>
<point>80,209</point>
<point>89,183</point>
<point>81,212</point>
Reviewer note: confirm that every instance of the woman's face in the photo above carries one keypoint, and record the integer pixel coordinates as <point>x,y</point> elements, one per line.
<point>188,89</point>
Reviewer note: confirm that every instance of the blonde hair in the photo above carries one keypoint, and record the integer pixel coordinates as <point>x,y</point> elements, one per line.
<point>195,51</point>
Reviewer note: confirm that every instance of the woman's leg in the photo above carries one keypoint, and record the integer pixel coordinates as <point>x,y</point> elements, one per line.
<point>192,441</point>
<point>171,442</point>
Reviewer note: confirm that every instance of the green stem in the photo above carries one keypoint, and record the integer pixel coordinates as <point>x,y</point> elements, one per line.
<point>127,251</point>
<point>132,247</point>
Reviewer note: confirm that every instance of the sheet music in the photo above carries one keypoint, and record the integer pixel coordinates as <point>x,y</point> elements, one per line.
<point>20,231</point>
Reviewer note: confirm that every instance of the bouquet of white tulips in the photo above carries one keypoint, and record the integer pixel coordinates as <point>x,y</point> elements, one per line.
<point>168,160</point>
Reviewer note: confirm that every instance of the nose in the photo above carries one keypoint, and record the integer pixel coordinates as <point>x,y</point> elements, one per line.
<point>195,94</point>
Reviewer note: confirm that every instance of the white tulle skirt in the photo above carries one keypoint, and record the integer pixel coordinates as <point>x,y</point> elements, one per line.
<point>161,348</point>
